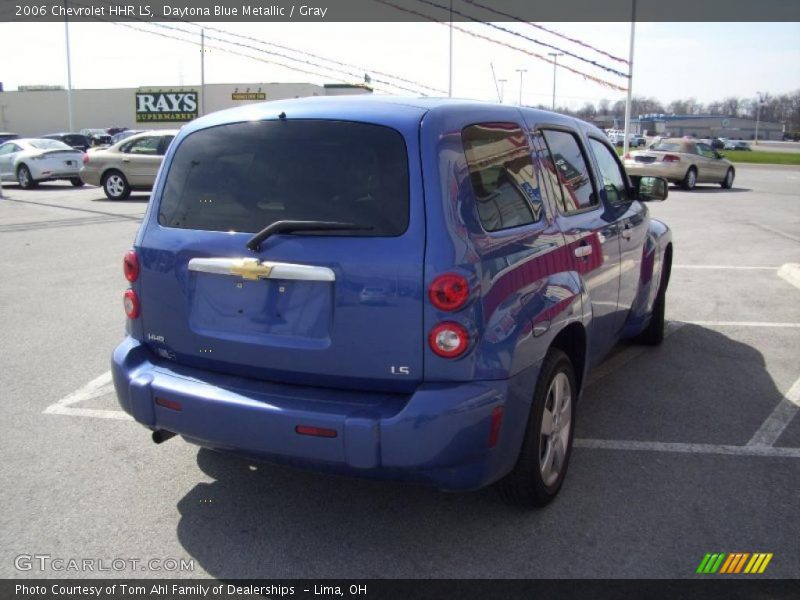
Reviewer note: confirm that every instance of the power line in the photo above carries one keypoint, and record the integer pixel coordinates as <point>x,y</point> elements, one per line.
<point>525,37</point>
<point>363,70</point>
<point>602,82</point>
<point>543,28</point>
<point>336,62</point>
<point>291,58</point>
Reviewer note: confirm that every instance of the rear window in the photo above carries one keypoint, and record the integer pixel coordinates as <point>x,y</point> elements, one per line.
<point>43,144</point>
<point>246,176</point>
<point>666,147</point>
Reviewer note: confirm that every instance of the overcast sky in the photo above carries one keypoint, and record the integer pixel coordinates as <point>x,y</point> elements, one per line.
<point>708,61</point>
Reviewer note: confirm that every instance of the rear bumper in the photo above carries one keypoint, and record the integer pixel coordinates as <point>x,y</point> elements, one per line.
<point>674,171</point>
<point>90,176</point>
<point>437,435</point>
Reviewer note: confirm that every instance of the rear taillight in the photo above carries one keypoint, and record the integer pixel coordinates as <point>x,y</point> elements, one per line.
<point>448,339</point>
<point>131,302</point>
<point>85,158</point>
<point>671,158</point>
<point>449,292</point>
<point>130,265</point>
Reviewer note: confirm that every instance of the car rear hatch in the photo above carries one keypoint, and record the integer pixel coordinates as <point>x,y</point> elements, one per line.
<point>59,160</point>
<point>326,307</point>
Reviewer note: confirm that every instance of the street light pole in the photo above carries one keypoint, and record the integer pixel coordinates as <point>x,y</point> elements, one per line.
<point>758,117</point>
<point>630,81</point>
<point>502,83</point>
<point>521,72</point>
<point>202,72</point>
<point>555,56</point>
<point>450,69</point>
<point>69,70</point>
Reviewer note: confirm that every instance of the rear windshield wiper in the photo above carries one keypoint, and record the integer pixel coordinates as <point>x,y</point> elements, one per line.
<point>291,226</point>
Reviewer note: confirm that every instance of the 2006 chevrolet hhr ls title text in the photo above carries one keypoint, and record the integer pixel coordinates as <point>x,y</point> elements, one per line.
<point>412,289</point>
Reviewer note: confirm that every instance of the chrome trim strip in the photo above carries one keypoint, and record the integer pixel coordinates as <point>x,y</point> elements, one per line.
<point>251,268</point>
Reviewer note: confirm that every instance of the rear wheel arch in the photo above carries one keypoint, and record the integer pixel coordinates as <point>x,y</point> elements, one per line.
<point>667,264</point>
<point>572,341</point>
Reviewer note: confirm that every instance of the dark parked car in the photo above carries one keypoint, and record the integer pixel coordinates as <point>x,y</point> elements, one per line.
<point>6,135</point>
<point>75,140</point>
<point>97,137</point>
<point>405,288</point>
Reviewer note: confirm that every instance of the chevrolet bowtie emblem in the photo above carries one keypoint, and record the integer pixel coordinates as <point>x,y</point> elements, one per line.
<point>250,268</point>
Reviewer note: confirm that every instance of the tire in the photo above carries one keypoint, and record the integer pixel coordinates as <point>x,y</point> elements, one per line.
<point>76,182</point>
<point>727,183</point>
<point>690,179</point>
<point>24,178</point>
<point>653,335</point>
<point>533,482</point>
<point>116,186</point>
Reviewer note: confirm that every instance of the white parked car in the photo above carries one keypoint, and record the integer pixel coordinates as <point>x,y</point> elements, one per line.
<point>29,161</point>
<point>617,138</point>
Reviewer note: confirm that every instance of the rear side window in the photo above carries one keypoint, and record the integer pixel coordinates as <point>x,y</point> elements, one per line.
<point>146,145</point>
<point>246,176</point>
<point>568,163</point>
<point>501,171</point>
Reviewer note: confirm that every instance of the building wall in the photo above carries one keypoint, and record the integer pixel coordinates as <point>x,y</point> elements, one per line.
<point>727,127</point>
<point>39,112</point>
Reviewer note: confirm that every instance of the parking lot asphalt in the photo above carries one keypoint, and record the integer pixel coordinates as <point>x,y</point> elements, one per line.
<point>684,449</point>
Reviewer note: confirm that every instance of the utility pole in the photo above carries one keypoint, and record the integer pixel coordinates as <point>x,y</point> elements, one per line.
<point>758,117</point>
<point>69,70</point>
<point>555,56</point>
<point>630,82</point>
<point>202,72</point>
<point>502,89</point>
<point>521,72</point>
<point>497,89</point>
<point>450,68</point>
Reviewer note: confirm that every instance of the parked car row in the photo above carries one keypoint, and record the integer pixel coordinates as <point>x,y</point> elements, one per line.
<point>131,164</point>
<point>617,137</point>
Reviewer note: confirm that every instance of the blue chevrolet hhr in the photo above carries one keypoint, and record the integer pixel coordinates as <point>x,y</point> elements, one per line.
<point>405,288</point>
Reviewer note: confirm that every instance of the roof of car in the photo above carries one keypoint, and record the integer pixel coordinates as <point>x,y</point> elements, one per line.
<point>398,109</point>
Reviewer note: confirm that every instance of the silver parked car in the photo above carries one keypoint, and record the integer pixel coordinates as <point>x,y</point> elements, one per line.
<point>29,161</point>
<point>682,161</point>
<point>128,165</point>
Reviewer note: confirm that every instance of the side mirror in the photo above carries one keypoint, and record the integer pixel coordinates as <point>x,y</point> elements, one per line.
<point>717,154</point>
<point>650,189</point>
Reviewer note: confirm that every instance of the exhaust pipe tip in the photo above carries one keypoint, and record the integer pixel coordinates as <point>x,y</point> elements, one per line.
<point>162,435</point>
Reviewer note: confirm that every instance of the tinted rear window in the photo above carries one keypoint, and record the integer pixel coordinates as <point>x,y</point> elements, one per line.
<point>667,147</point>
<point>42,144</point>
<point>246,176</point>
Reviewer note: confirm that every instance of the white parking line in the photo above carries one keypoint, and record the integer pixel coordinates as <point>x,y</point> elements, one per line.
<point>790,272</point>
<point>681,448</point>
<point>100,386</point>
<point>723,267</point>
<point>772,428</point>
<point>742,324</point>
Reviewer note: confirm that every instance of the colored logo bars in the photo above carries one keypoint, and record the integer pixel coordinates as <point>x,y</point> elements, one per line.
<point>734,563</point>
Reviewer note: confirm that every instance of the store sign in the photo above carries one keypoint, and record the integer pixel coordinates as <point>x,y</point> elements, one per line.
<point>163,107</point>
<point>248,96</point>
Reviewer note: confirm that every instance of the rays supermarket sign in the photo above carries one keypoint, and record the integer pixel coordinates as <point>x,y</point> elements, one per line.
<point>163,107</point>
